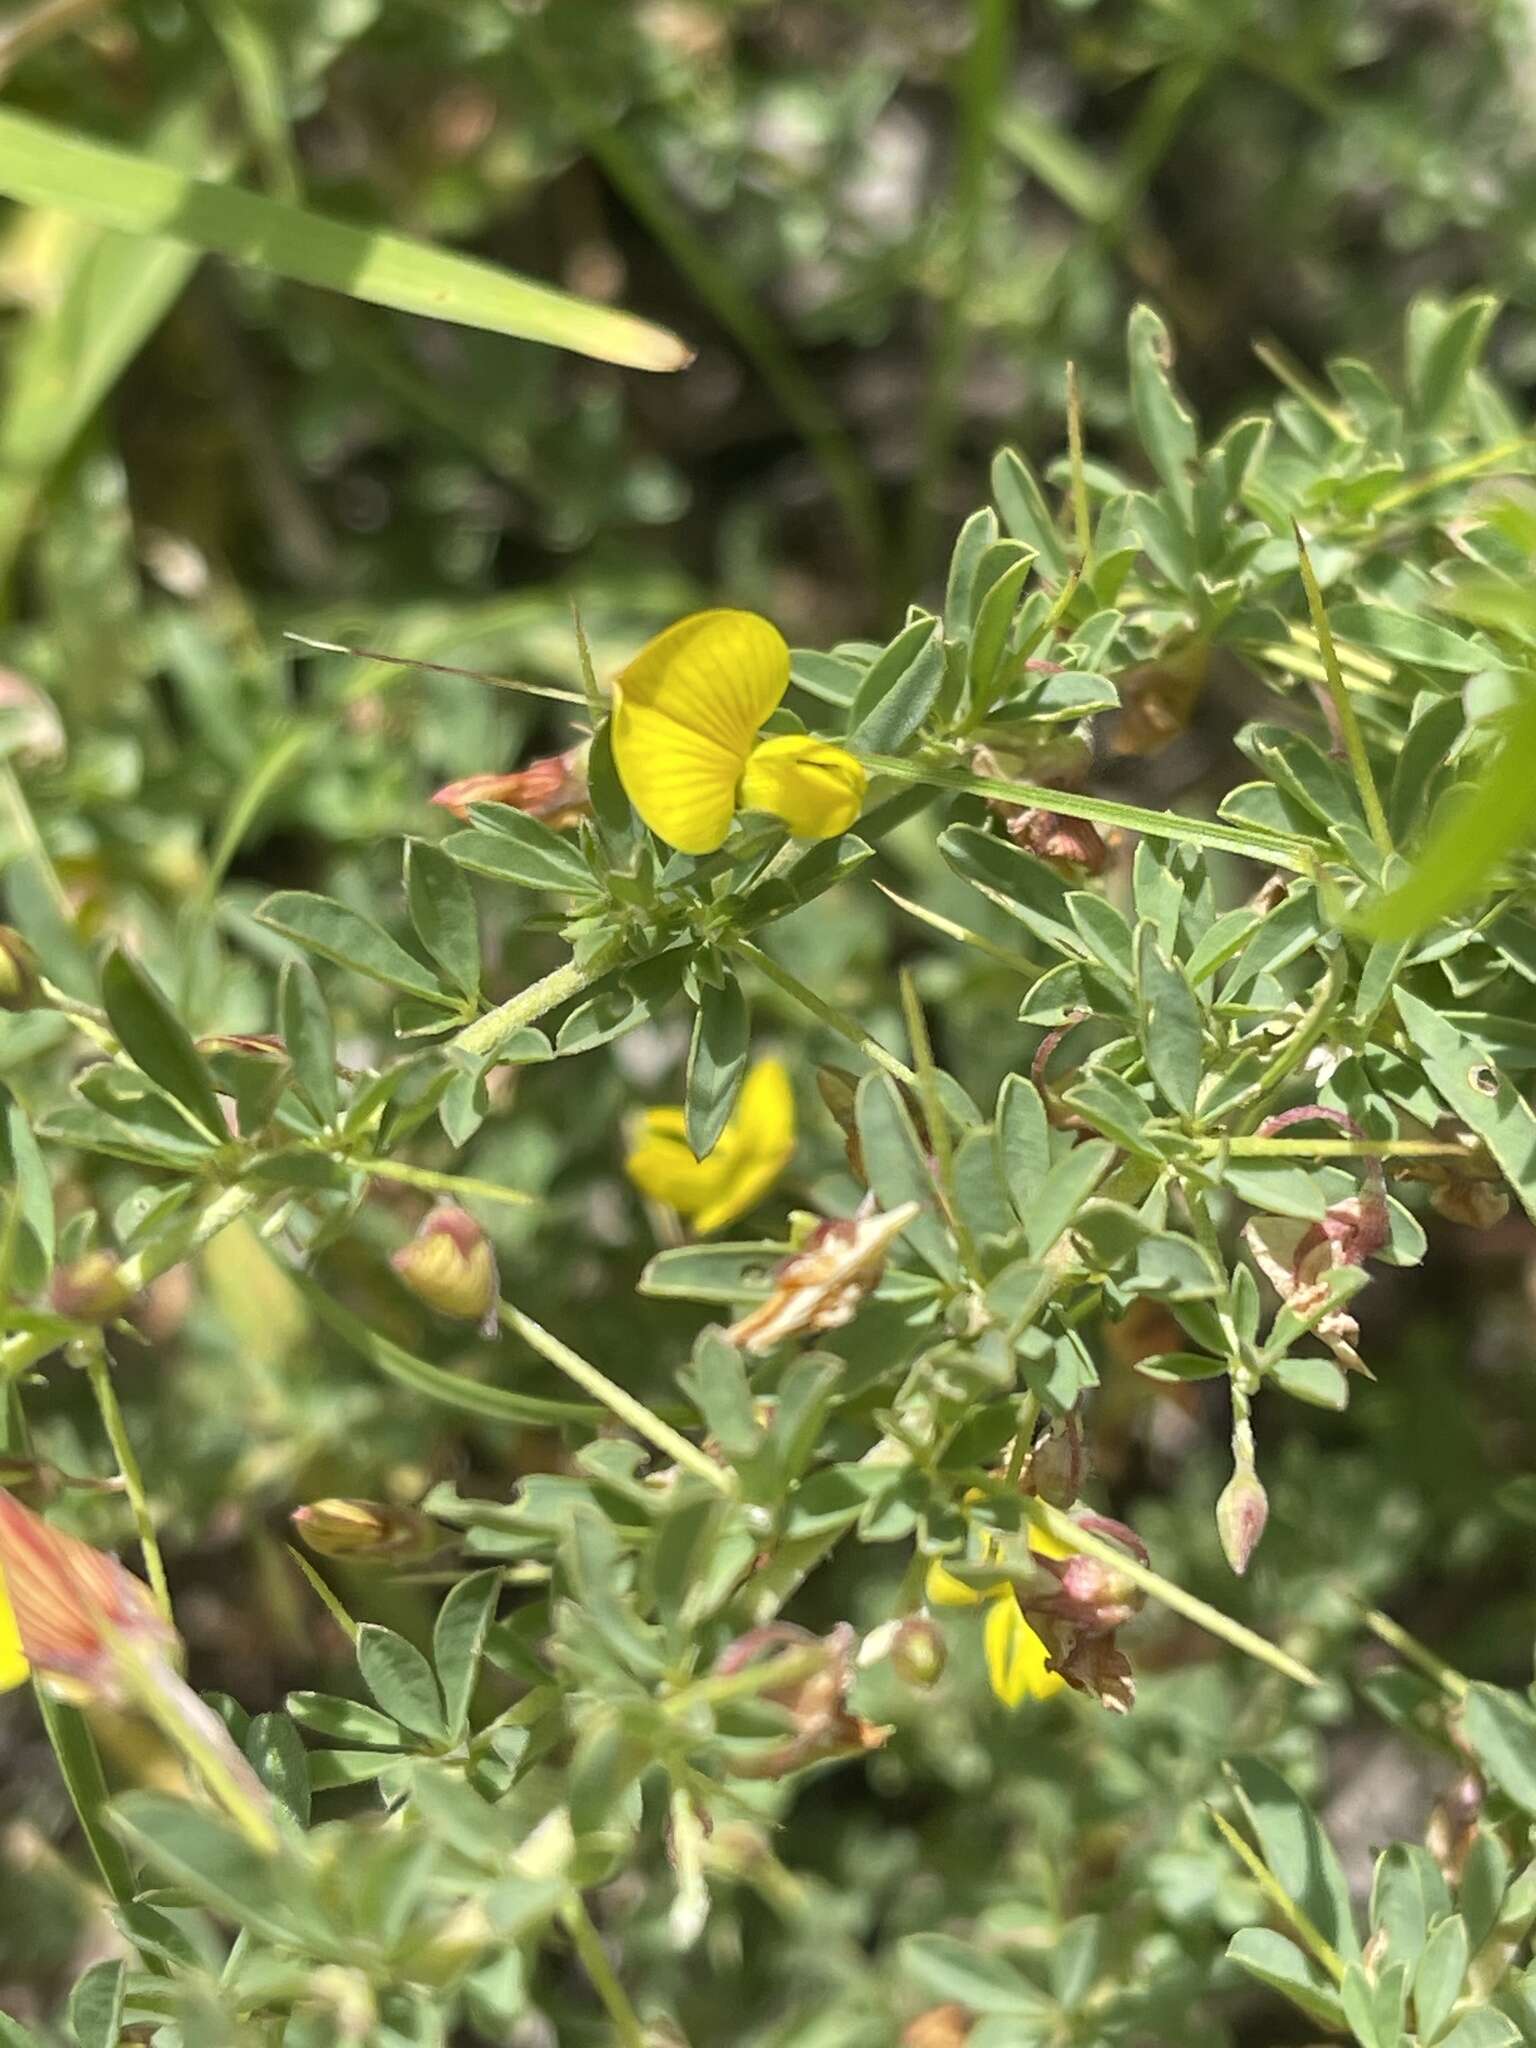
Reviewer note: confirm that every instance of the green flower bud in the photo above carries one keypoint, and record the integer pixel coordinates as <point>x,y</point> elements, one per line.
<point>92,1290</point>
<point>918,1651</point>
<point>450,1265</point>
<point>367,1531</point>
<point>20,983</point>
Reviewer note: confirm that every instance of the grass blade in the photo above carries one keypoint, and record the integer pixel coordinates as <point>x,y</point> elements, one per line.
<point>45,166</point>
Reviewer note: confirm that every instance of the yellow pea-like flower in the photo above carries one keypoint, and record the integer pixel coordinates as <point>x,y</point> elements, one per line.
<point>1017,1658</point>
<point>13,1663</point>
<point>687,712</point>
<point>748,1157</point>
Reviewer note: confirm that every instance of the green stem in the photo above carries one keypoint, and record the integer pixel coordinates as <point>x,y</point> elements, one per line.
<point>721,1688</point>
<point>99,1373</point>
<point>1344,707</point>
<point>1211,1619</point>
<point>442,1183</point>
<point>594,1959</point>
<point>1332,1148</point>
<point>1304,1928</point>
<point>1274,849</point>
<point>490,1032</point>
<point>617,1400</point>
<point>826,1013</point>
<point>1082,521</point>
<point>1450,1681</point>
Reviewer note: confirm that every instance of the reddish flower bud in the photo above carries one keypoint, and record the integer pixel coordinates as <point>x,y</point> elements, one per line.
<point>1241,1513</point>
<point>450,1265</point>
<point>367,1532</point>
<point>942,2026</point>
<point>553,789</point>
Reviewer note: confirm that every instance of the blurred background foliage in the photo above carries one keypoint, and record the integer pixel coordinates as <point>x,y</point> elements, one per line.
<point>886,226</point>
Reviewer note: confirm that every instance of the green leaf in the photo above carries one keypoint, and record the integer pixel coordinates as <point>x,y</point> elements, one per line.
<point>442,907</point>
<point>1182,1366</point>
<point>1163,421</point>
<point>30,1196</point>
<point>898,1170</point>
<point>1025,513</point>
<point>308,1037</point>
<point>1027,888</point>
<point>202,1853</point>
<point>157,1041</point>
<point>1437,1980</point>
<point>345,936</point>
<point>1485,1100</point>
<point>948,1970</point>
<point>717,1060</point>
<point>1438,372</point>
<point>1420,643</point>
<point>1171,1023</point>
<point>1482,2029</point>
<point>401,1680</point>
<point>519,849</point>
<point>1278,1963</point>
<point>1298,1853</point>
<point>715,1380</point>
<point>1501,1728</point>
<point>458,1643</point>
<point>1023,1141</point>
<point>1317,1381</point>
<point>898,688</point>
<point>1477,828</point>
<point>96,2006</point>
<point>344,1720</point>
<point>46,166</point>
<point>1053,1202</point>
<point>278,1759</point>
<point>976,536</point>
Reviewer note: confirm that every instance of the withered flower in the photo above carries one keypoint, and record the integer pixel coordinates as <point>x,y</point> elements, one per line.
<point>821,1286</point>
<point>1296,1258</point>
<point>1053,836</point>
<point>821,1724</point>
<point>552,789</point>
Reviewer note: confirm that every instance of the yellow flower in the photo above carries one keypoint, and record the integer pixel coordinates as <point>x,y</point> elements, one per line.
<point>13,1662</point>
<point>686,716</point>
<point>749,1155</point>
<point>1016,1656</point>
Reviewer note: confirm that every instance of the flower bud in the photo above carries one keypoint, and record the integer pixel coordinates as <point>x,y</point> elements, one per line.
<point>449,1264</point>
<point>20,982</point>
<point>92,1289</point>
<point>1241,1513</point>
<point>553,790</point>
<point>942,2026</point>
<point>918,1652</point>
<point>367,1531</point>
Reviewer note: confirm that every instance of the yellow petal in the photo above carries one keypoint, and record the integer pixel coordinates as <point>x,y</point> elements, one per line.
<point>750,1154</point>
<point>683,783</point>
<point>1016,1657</point>
<point>13,1665</point>
<point>719,674</point>
<point>942,1589</point>
<point>1043,1544</point>
<point>816,788</point>
<point>759,1142</point>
